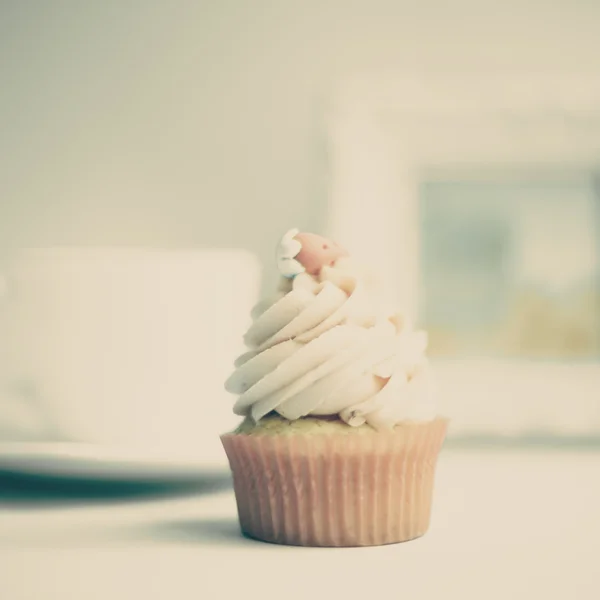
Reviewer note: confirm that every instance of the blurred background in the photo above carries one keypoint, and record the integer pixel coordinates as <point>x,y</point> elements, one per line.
<point>217,126</point>
<point>458,141</point>
<point>160,149</point>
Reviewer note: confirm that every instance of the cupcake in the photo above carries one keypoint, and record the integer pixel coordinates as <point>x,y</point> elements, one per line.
<point>340,438</point>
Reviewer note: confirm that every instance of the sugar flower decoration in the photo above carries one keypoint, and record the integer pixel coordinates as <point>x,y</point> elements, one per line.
<point>289,247</point>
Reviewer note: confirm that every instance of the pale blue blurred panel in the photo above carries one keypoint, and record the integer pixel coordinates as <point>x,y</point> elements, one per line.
<point>510,267</point>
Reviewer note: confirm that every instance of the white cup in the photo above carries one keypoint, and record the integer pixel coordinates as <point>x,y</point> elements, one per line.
<point>122,346</point>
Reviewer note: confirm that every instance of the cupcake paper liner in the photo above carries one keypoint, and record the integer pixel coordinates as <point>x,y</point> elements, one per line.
<point>336,490</point>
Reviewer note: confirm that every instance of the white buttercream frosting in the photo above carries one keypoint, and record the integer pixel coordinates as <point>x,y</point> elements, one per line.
<point>287,250</point>
<point>327,345</point>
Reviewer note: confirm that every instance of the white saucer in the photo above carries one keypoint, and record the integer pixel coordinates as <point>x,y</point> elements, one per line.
<point>90,461</point>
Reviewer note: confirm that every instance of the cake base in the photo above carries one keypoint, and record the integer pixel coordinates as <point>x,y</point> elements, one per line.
<point>336,490</point>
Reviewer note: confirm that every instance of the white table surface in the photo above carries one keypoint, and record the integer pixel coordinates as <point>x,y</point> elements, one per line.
<point>506,524</point>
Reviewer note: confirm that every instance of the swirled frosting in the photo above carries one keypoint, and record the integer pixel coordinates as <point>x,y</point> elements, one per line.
<point>325,344</point>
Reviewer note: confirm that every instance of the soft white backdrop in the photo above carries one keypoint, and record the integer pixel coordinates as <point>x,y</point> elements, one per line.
<point>206,124</point>
<point>151,122</point>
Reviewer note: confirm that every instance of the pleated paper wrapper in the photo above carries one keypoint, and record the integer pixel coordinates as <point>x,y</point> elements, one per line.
<point>336,489</point>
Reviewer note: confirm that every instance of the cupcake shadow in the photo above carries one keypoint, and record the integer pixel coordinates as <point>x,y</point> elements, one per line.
<point>210,532</point>
<point>215,532</point>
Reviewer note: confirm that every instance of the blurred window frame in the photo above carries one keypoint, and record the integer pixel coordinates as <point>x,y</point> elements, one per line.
<point>387,133</point>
